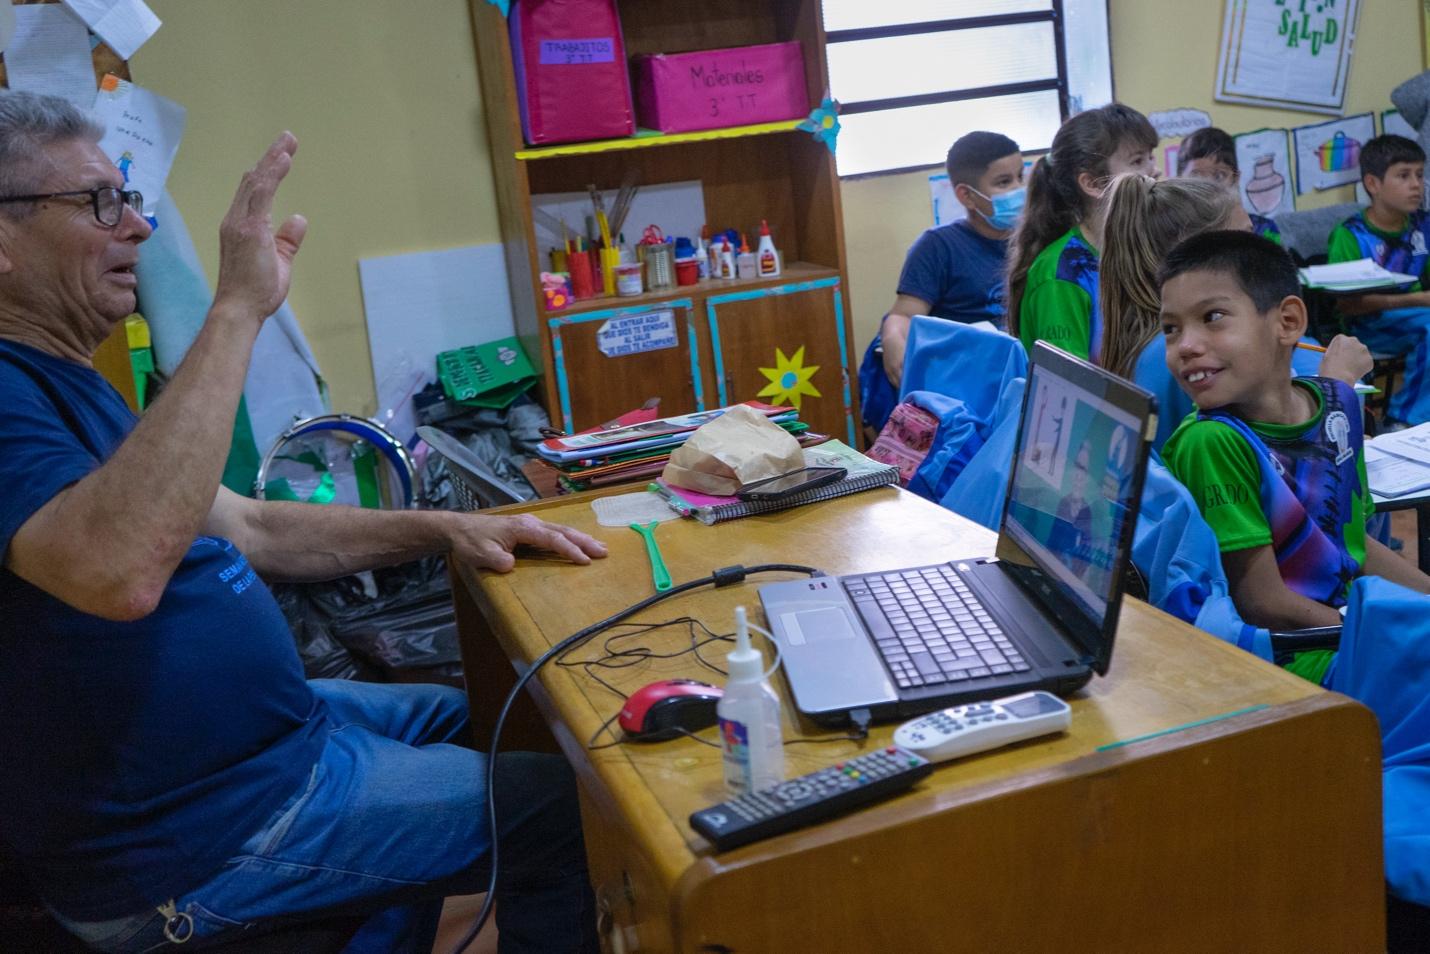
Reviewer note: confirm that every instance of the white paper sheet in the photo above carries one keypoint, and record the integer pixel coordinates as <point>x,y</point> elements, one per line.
<point>7,24</point>
<point>125,25</point>
<point>1264,159</point>
<point>1328,154</point>
<point>50,53</point>
<point>1275,53</point>
<point>420,304</point>
<point>1413,443</point>
<point>1393,476</point>
<point>142,135</point>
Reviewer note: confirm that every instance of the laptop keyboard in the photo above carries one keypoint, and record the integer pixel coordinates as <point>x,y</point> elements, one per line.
<point>930,627</point>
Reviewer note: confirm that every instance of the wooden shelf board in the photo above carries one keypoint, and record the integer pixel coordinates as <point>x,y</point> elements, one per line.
<point>649,137</point>
<point>793,273</point>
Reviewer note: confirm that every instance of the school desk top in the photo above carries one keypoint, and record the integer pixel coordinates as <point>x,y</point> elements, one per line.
<point>1203,799</point>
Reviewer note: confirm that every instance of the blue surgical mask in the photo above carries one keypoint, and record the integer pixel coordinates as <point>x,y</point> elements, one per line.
<point>1007,206</point>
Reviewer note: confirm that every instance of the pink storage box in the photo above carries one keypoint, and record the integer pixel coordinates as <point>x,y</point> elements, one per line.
<point>572,83</point>
<point>711,89</point>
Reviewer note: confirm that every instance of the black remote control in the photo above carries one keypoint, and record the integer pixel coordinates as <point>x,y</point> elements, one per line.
<point>810,798</point>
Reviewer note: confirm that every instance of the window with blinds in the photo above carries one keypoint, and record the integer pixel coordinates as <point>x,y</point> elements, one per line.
<point>911,76</point>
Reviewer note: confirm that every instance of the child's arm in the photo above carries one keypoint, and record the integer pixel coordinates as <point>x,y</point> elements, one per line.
<point>894,333</point>
<point>1384,562</point>
<point>1353,305</point>
<point>1263,598</point>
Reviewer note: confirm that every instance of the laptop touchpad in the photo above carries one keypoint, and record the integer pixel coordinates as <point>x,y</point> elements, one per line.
<point>818,626</point>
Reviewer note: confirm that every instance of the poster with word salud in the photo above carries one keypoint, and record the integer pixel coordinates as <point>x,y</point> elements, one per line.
<point>1291,54</point>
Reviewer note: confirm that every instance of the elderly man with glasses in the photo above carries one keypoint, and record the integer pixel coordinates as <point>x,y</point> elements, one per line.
<point>169,775</point>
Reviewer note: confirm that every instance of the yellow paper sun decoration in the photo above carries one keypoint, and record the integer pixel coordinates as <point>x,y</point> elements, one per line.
<point>788,379</point>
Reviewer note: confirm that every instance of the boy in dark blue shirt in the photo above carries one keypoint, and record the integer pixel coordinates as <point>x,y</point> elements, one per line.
<point>953,271</point>
<point>1392,231</point>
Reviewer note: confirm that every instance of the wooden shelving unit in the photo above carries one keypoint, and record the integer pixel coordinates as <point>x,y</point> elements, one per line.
<point>733,339</point>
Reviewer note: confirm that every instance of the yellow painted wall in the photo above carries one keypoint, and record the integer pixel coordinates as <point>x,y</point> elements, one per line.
<point>1164,56</point>
<point>392,155</point>
<point>384,99</point>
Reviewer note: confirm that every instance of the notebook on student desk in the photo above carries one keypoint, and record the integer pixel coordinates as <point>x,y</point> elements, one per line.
<point>1041,615</point>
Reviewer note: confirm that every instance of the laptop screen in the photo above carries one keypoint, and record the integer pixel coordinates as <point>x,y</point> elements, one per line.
<point>1074,492</point>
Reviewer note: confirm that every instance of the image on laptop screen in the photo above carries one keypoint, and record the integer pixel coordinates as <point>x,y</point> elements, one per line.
<point>1072,488</point>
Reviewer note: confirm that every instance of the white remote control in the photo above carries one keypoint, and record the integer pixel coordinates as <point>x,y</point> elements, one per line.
<point>979,726</point>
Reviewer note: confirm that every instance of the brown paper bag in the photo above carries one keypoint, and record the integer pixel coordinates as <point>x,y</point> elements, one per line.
<point>738,447</point>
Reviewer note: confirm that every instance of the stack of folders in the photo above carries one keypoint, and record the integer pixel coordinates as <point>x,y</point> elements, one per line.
<point>639,452</point>
<point>862,474</point>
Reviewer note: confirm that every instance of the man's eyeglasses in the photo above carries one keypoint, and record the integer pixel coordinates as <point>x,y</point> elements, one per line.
<point>108,204</point>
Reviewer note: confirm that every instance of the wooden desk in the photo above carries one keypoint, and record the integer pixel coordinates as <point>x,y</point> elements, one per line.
<point>1257,829</point>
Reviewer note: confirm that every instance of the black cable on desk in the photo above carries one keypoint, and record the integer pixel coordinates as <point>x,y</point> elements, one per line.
<point>725,576</point>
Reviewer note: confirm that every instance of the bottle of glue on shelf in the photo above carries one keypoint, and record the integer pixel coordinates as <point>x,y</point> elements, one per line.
<point>749,714</point>
<point>767,256</point>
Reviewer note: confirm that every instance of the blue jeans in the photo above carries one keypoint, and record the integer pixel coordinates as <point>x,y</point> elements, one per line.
<point>392,819</point>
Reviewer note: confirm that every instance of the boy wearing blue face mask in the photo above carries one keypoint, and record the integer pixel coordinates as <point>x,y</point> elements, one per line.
<point>953,271</point>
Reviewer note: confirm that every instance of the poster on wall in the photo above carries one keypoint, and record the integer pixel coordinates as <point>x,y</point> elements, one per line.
<point>1394,124</point>
<point>1291,54</point>
<point>1264,160</point>
<point>1328,154</point>
<point>946,207</point>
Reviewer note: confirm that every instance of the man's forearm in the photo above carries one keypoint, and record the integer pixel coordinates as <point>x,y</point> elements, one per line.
<point>301,541</point>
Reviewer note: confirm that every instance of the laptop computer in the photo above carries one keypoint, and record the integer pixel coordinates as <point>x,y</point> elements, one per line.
<point>1040,615</point>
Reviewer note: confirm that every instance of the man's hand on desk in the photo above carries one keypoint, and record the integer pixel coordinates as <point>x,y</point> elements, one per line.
<point>488,541</point>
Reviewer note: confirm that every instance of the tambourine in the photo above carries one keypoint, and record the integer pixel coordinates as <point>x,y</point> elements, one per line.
<point>321,460</point>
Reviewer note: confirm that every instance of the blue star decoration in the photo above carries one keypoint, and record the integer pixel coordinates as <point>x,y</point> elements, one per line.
<point>823,122</point>
<point>503,5</point>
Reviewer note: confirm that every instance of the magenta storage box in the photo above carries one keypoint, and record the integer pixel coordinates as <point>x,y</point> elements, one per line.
<point>572,83</point>
<point>710,89</point>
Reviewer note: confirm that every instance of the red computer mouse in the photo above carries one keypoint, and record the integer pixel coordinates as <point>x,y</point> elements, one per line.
<point>666,709</point>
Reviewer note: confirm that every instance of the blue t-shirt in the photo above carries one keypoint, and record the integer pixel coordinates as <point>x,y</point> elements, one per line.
<point>958,272</point>
<point>138,756</point>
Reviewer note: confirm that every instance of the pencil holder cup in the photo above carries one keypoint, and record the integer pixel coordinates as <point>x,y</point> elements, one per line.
<point>610,258</point>
<point>581,283</point>
<point>660,265</point>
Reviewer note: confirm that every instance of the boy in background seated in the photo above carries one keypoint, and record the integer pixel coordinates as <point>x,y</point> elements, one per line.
<point>953,271</point>
<point>1276,464</point>
<point>1211,154</point>
<point>1392,230</point>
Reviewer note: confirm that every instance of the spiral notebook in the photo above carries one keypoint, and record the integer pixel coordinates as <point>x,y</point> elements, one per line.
<point>864,474</point>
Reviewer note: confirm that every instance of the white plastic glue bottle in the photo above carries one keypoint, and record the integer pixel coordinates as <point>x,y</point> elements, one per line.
<point>749,719</point>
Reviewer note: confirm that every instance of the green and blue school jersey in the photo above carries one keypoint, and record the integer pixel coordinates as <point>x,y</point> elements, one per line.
<point>1406,251</point>
<point>1299,488</point>
<point>1060,301</point>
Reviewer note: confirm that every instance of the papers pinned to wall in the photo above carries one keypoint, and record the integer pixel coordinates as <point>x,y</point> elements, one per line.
<point>1264,159</point>
<point>125,25</point>
<point>1328,154</point>
<point>946,207</point>
<point>1286,54</point>
<point>142,135</point>
<point>50,53</point>
<point>1394,124</point>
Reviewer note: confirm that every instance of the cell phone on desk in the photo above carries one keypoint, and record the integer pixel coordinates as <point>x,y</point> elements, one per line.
<point>794,482</point>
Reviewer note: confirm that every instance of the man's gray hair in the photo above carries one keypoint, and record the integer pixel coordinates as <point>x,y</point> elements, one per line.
<point>30,122</point>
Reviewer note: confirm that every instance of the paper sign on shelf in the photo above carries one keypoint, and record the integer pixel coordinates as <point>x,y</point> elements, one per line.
<point>634,334</point>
